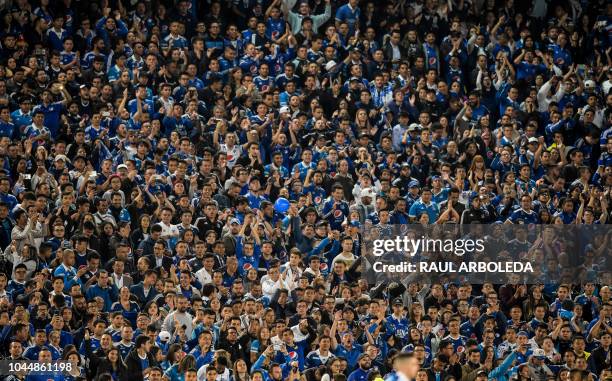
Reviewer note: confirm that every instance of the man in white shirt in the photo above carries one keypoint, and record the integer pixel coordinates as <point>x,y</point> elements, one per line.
<point>168,230</point>
<point>272,282</point>
<point>204,275</point>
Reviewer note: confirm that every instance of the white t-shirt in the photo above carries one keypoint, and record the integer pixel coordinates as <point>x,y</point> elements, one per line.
<point>169,230</point>
<point>233,154</point>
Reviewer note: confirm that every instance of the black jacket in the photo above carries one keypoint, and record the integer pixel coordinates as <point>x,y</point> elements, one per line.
<point>105,366</point>
<point>134,369</point>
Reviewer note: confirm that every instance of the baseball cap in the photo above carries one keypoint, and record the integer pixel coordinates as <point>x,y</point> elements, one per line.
<point>413,184</point>
<point>61,157</point>
<point>589,84</point>
<point>397,301</point>
<point>164,336</point>
<point>234,221</point>
<point>367,192</point>
<point>330,65</point>
<point>539,353</point>
<point>532,140</point>
<point>284,109</point>
<point>414,127</point>
<point>122,166</point>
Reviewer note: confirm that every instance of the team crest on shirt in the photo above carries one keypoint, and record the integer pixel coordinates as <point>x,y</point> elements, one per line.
<point>323,267</point>
<point>337,213</point>
<point>247,266</point>
<point>432,60</point>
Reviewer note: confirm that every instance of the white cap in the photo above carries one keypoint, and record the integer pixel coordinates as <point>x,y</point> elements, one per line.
<point>164,336</point>
<point>284,109</point>
<point>589,84</point>
<point>330,65</point>
<point>414,127</point>
<point>122,166</point>
<point>532,140</point>
<point>62,157</point>
<point>539,352</point>
<point>367,192</point>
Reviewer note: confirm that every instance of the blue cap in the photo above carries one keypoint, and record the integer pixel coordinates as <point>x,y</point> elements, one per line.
<point>124,216</point>
<point>473,196</point>
<point>413,184</point>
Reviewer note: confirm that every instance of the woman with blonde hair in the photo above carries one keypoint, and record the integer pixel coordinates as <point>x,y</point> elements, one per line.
<point>476,173</point>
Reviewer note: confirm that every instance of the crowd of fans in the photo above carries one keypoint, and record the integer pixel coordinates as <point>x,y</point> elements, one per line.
<point>145,145</point>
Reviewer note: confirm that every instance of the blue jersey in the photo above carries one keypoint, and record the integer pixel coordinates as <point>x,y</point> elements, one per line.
<point>21,119</point>
<point>351,355</point>
<point>521,216</point>
<point>7,129</point>
<point>254,200</point>
<point>52,112</point>
<point>431,57</point>
<point>562,57</point>
<point>335,212</point>
<point>303,168</point>
<point>57,38</point>
<point>358,375</point>
<point>67,57</point>
<point>171,41</point>
<point>249,65</point>
<point>567,218</point>
<point>349,15</point>
<point>420,207</point>
<point>147,106</point>
<point>317,194</point>
<point>468,329</point>
<point>314,359</point>
<point>263,84</point>
<point>275,28</point>
<point>397,327</point>
<point>457,343</point>
<point>441,196</point>
<point>124,349</point>
<point>525,186</point>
